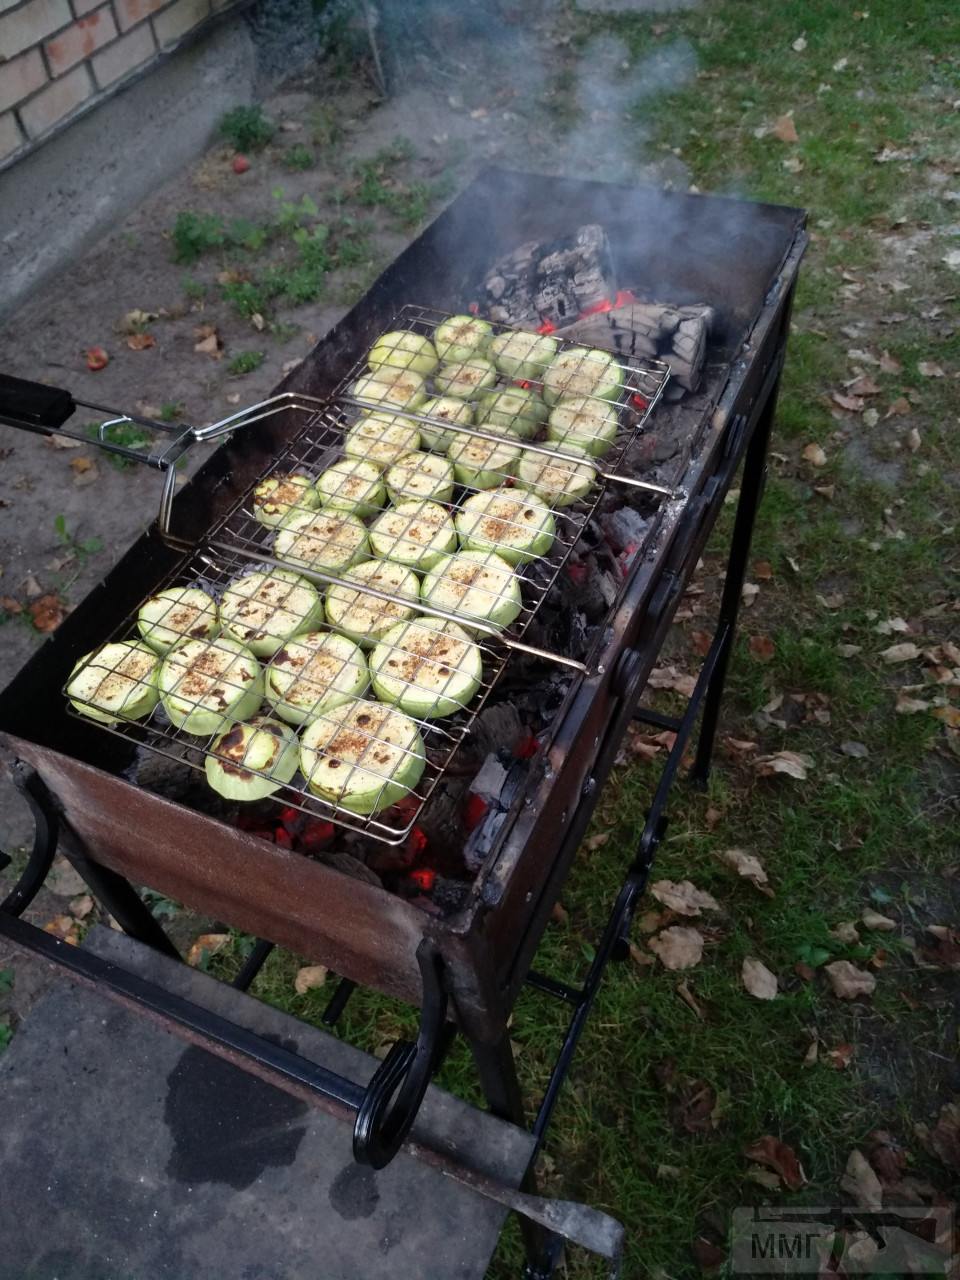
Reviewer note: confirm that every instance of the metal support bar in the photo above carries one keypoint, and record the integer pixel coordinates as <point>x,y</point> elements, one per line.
<point>656,719</point>
<point>253,964</point>
<point>338,1002</point>
<point>45,836</point>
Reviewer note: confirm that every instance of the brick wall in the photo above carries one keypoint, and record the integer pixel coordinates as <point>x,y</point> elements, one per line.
<point>58,57</point>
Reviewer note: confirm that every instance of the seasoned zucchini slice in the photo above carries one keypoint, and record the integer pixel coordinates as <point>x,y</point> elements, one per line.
<point>414,532</point>
<point>474,584</point>
<point>428,668</point>
<point>514,523</point>
<point>580,371</point>
<point>465,378</point>
<point>401,349</point>
<point>207,684</point>
<point>400,388</point>
<point>363,617</point>
<point>179,613</point>
<point>522,355</point>
<point>446,409</point>
<point>314,673</point>
<point>277,496</point>
<point>482,464</point>
<point>117,681</point>
<point>381,438</point>
<point>461,337</point>
<point>263,610</point>
<point>560,479</point>
<point>321,541</point>
<point>362,756</point>
<point>420,475</point>
<point>352,485</point>
<point>581,420</point>
<point>513,410</point>
<point>252,761</point>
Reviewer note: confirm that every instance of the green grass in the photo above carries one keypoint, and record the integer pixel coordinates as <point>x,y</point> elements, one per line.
<point>128,434</point>
<point>298,158</point>
<point>245,362</point>
<point>247,128</point>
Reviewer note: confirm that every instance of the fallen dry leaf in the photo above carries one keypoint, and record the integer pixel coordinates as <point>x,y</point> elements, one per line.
<point>708,1256</point>
<point>689,999</point>
<point>777,1155</point>
<point>784,129</point>
<point>848,982</point>
<point>700,642</point>
<point>874,920</point>
<point>815,455</point>
<point>914,440</point>
<point>853,404</point>
<point>845,932</point>
<point>63,927</point>
<point>793,763</point>
<point>696,1108</point>
<point>81,464</point>
<point>944,1138</point>
<point>900,405</point>
<point>63,442</point>
<point>749,867</point>
<point>887,626</point>
<point>758,979</point>
<point>762,648</point>
<point>887,1157</point>
<point>47,613</point>
<point>907,706</point>
<point>855,749</point>
<point>81,907</point>
<point>930,370</point>
<point>765,1178</point>
<point>684,898</point>
<point>677,947</point>
<point>763,570</point>
<point>596,842</point>
<point>949,715</point>
<point>141,341</point>
<point>861,1183</point>
<point>907,651</point>
<point>889,363</point>
<point>839,1056</point>
<point>849,650</point>
<point>11,605</point>
<point>793,164</point>
<point>135,320</point>
<point>207,945</point>
<point>640,957</point>
<point>309,978</point>
<point>748,594</point>
<point>210,346</point>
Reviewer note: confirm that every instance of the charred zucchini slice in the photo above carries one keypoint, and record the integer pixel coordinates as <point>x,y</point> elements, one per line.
<point>580,371</point>
<point>117,681</point>
<point>560,479</point>
<point>515,524</point>
<point>362,756</point>
<point>313,673</point>
<point>461,337</point>
<point>401,349</point>
<point>465,378</point>
<point>482,464</point>
<point>381,438</point>
<point>321,541</point>
<point>252,761</point>
<point>277,496</point>
<point>414,532</point>
<point>363,617</point>
<point>420,475</point>
<point>522,355</point>
<point>263,610</point>
<point>474,584</point>
<point>514,410</point>
<point>352,484</point>
<point>207,684</point>
<point>179,613</point>
<point>399,388</point>
<point>445,409</point>
<point>428,668</point>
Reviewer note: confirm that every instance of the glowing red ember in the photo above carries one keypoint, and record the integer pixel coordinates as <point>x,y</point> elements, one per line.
<point>416,843</point>
<point>424,878</point>
<point>474,810</point>
<point>526,747</point>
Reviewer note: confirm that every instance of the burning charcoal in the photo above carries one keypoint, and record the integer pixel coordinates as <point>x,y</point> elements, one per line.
<point>497,728</point>
<point>489,781</point>
<point>449,895</point>
<point>625,527</point>
<point>553,281</point>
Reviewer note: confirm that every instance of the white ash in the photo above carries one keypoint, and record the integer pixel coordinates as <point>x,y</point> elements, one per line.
<point>489,781</point>
<point>625,527</point>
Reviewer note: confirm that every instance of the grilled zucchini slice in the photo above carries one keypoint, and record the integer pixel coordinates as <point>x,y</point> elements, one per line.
<point>381,438</point>
<point>522,355</point>
<point>321,541</point>
<point>582,420</point>
<point>482,464</point>
<point>420,475</point>
<point>402,349</point>
<point>513,410</point>
<point>515,524</point>
<point>362,756</point>
<point>428,668</point>
<point>580,371</point>
<point>465,378</point>
<point>263,610</point>
<point>415,533</point>
<point>461,337</point>
<point>277,496</point>
<point>207,684</point>
<point>179,613</point>
<point>399,388</point>
<point>560,479</point>
<point>446,409</point>
<point>363,617</point>
<point>252,761</point>
<point>117,681</point>
<point>313,673</point>
<point>474,584</point>
<point>352,484</point>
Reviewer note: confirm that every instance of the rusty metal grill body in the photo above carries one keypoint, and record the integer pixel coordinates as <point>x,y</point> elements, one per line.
<point>742,260</point>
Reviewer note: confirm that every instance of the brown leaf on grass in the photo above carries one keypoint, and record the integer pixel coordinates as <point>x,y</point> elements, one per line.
<point>678,947</point>
<point>81,464</point>
<point>899,406</point>
<point>47,613</point>
<point>839,1056</point>
<point>62,442</point>
<point>695,1109</point>
<point>861,1183</point>
<point>874,920</point>
<point>776,1155</point>
<point>852,404</point>
<point>31,587</point>
<point>748,594</point>
<point>740,745</point>
<point>930,370</point>
<point>596,842</point>
<point>81,907</point>
<point>141,341</point>
<point>708,1256</point>
<point>689,999</point>
<point>712,817</point>
<point>207,945</point>
<point>765,1178</point>
<point>814,454</point>
<point>640,957</point>
<point>940,948</point>
<point>863,385</point>
<point>749,867</point>
<point>758,980</point>
<point>849,650</point>
<point>848,982</point>
<point>906,651</point>
<point>559,914</point>
<point>84,476</point>
<point>211,347</point>
<point>762,648</point>
<point>907,706</point>
<point>949,715</point>
<point>63,927</point>
<point>887,1157</point>
<point>855,749</point>
<point>651,921</point>
<point>793,763</point>
<point>11,605</point>
<point>763,570</point>
<point>700,643</point>
<point>944,1139</point>
<point>309,978</point>
<point>889,363</point>
<point>784,129</point>
<point>845,932</point>
<point>684,898</point>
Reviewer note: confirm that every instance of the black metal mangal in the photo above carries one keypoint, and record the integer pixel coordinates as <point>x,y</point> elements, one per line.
<point>741,259</point>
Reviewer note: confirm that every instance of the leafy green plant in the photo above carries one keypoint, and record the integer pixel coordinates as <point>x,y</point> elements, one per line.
<point>326,128</point>
<point>195,234</point>
<point>298,158</point>
<point>294,213</point>
<point>195,290</point>
<point>171,411</point>
<point>247,128</point>
<point>127,434</point>
<point>82,550</point>
<point>245,362</point>
<point>247,298</point>
<point>6,1034</point>
<point>160,907</point>
<point>6,980</point>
